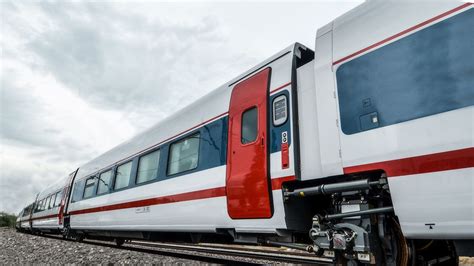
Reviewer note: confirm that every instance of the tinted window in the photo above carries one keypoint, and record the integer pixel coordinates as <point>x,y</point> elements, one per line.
<point>59,196</point>
<point>148,167</point>
<point>77,191</point>
<point>184,155</point>
<point>249,126</point>
<point>25,212</point>
<point>104,182</point>
<point>89,188</point>
<point>422,74</point>
<point>51,201</point>
<point>122,177</point>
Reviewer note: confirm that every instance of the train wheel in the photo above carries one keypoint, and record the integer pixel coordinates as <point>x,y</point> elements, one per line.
<point>392,250</point>
<point>398,243</point>
<point>119,242</point>
<point>433,252</point>
<point>80,238</point>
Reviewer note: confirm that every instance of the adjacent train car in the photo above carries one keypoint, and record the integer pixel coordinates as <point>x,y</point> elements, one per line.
<point>23,221</point>
<point>366,143</point>
<point>45,215</point>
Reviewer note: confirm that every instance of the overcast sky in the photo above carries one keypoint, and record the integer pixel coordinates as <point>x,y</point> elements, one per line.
<point>79,78</point>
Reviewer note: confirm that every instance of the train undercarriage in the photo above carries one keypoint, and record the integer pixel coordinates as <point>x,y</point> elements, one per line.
<point>356,225</point>
<point>353,223</point>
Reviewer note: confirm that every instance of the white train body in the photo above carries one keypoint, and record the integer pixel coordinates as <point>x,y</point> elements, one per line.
<point>205,208</point>
<point>440,194</point>
<point>377,96</point>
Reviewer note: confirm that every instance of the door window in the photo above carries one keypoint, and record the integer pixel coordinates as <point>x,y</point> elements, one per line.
<point>249,125</point>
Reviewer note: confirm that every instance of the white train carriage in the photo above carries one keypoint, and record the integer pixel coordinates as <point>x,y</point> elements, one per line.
<point>23,219</point>
<point>366,142</point>
<point>405,95</point>
<point>176,176</point>
<point>47,213</point>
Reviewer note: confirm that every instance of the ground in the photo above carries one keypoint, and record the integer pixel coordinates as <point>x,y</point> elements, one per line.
<point>18,248</point>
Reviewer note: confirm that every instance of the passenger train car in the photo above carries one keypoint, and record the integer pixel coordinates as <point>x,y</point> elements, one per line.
<point>360,151</point>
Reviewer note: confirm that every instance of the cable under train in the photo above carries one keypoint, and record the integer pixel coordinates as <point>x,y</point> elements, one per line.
<point>360,151</point>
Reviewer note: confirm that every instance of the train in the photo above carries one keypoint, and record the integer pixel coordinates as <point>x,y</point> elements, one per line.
<point>360,151</point>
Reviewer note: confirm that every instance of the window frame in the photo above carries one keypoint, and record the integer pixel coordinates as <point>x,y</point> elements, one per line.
<point>115,176</point>
<point>43,203</point>
<point>190,135</point>
<point>93,177</point>
<point>157,168</point>
<point>241,126</point>
<point>50,198</point>
<point>112,177</point>
<point>57,199</point>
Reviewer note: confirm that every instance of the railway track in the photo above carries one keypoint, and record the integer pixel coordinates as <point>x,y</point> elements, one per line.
<point>206,252</point>
<point>243,251</point>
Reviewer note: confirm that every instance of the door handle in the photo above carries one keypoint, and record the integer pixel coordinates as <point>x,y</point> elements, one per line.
<point>262,141</point>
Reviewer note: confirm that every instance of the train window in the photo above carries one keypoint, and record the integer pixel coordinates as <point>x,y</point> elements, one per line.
<point>25,212</point>
<point>43,201</point>
<point>77,191</point>
<point>148,167</point>
<point>383,88</point>
<point>89,188</point>
<point>50,202</point>
<point>57,200</point>
<point>249,126</point>
<point>60,197</point>
<point>53,200</point>
<point>184,155</point>
<point>122,177</point>
<point>104,182</point>
<point>280,110</point>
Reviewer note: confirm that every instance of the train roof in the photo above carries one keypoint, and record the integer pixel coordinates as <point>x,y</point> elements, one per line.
<point>216,102</point>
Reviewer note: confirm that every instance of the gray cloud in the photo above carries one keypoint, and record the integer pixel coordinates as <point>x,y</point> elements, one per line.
<point>17,118</point>
<point>118,60</point>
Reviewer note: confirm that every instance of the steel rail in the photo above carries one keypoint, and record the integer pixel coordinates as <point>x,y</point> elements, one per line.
<point>236,255</point>
<point>279,256</point>
<point>161,252</point>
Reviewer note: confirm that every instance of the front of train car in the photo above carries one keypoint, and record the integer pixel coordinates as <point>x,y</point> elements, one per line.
<point>394,110</point>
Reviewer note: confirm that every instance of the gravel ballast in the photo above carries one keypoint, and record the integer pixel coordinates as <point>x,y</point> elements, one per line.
<point>20,248</point>
<point>17,248</point>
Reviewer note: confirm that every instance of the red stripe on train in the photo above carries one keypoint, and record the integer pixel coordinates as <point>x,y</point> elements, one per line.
<point>424,23</point>
<point>436,162</point>
<point>443,161</point>
<point>43,217</point>
<point>194,195</point>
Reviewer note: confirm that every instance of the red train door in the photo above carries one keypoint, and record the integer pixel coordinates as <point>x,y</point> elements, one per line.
<point>247,181</point>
